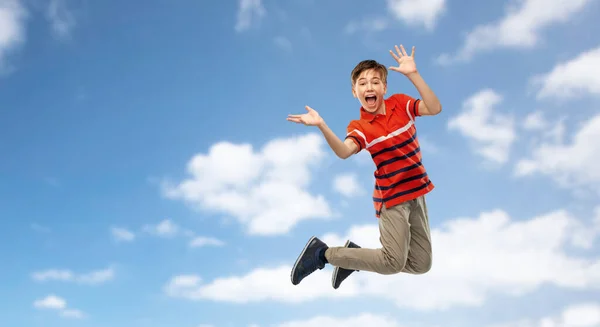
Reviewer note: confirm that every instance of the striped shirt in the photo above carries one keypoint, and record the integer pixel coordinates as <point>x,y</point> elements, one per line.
<point>392,141</point>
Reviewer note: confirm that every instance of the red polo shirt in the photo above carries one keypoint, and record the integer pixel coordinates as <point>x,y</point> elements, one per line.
<point>392,141</point>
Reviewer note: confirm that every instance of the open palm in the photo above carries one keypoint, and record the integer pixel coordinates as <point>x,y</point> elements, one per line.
<point>311,118</point>
<point>406,63</point>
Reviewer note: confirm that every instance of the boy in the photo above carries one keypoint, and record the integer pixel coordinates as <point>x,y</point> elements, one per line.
<point>386,129</point>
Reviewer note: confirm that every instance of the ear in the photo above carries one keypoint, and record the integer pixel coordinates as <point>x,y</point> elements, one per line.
<point>353,92</point>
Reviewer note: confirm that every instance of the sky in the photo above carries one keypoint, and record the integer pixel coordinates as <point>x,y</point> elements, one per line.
<point>148,175</point>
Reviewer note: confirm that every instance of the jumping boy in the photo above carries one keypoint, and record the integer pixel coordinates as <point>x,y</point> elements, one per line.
<point>386,129</point>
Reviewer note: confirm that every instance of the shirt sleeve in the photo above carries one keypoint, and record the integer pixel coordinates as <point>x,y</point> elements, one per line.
<point>409,104</point>
<point>354,132</point>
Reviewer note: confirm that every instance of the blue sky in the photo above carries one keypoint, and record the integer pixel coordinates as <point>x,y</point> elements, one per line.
<point>149,177</point>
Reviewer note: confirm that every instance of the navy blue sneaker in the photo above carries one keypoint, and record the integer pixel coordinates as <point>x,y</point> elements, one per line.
<point>339,274</point>
<point>311,259</point>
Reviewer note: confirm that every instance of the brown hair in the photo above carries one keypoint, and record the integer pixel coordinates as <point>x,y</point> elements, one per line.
<point>366,65</point>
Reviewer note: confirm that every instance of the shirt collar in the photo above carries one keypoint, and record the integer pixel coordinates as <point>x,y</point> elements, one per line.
<point>389,106</point>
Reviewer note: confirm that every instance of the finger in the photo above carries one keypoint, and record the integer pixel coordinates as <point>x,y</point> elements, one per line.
<point>394,55</point>
<point>295,120</point>
<point>308,108</point>
<point>412,54</point>
<point>403,50</point>
<point>294,116</point>
<point>398,50</point>
<point>396,69</point>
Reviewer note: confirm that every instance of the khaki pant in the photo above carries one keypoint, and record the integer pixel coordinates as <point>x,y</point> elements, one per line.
<point>405,239</point>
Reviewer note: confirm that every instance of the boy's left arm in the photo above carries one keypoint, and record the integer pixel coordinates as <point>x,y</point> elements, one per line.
<point>429,105</point>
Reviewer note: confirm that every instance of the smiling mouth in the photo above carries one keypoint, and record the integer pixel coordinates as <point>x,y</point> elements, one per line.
<point>371,100</point>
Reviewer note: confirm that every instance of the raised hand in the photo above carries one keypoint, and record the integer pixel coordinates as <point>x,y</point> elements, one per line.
<point>311,118</point>
<point>406,63</point>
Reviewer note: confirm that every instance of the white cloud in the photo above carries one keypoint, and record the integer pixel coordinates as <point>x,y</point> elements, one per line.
<point>261,284</point>
<point>423,13</point>
<point>12,28</point>
<point>265,190</point>
<point>535,121</point>
<point>50,302</point>
<point>347,185</point>
<point>56,303</point>
<point>249,12</point>
<point>122,234</point>
<point>64,275</point>
<point>491,133</point>
<point>72,313</point>
<point>520,27</point>
<point>166,228</point>
<point>578,315</point>
<point>541,129</point>
<point>414,13</point>
<point>359,320</point>
<point>571,165</point>
<point>200,241</point>
<point>574,78</point>
<point>511,257</point>
<point>61,18</point>
<point>363,158</point>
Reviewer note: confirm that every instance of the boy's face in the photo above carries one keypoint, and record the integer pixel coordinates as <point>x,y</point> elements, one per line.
<point>370,89</point>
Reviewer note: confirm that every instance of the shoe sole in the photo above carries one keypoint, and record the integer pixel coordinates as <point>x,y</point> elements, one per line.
<point>298,260</point>
<point>337,269</point>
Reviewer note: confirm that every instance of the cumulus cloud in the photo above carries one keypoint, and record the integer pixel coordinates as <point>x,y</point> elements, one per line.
<point>577,315</point>
<point>65,275</point>
<point>535,121</point>
<point>359,320</point>
<point>249,12</point>
<point>50,302</point>
<point>122,234</point>
<point>261,284</point>
<point>520,27</point>
<point>61,18</point>
<point>422,13</point>
<point>12,29</point>
<point>347,185</point>
<point>540,128</point>
<point>201,241</point>
<point>574,78</point>
<point>266,190</point>
<point>555,158</point>
<point>168,229</point>
<point>56,303</point>
<point>490,132</point>
<point>165,228</point>
<point>72,313</point>
<point>474,258</point>
<point>414,13</point>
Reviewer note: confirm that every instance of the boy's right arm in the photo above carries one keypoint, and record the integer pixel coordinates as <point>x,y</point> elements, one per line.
<point>343,149</point>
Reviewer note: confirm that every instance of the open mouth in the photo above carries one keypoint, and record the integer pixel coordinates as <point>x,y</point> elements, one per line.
<point>371,99</point>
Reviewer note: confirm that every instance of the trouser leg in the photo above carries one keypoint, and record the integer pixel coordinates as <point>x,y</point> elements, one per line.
<point>391,258</point>
<point>420,252</point>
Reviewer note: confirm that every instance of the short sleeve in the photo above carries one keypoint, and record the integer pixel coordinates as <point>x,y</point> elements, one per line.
<point>409,104</point>
<point>354,132</point>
